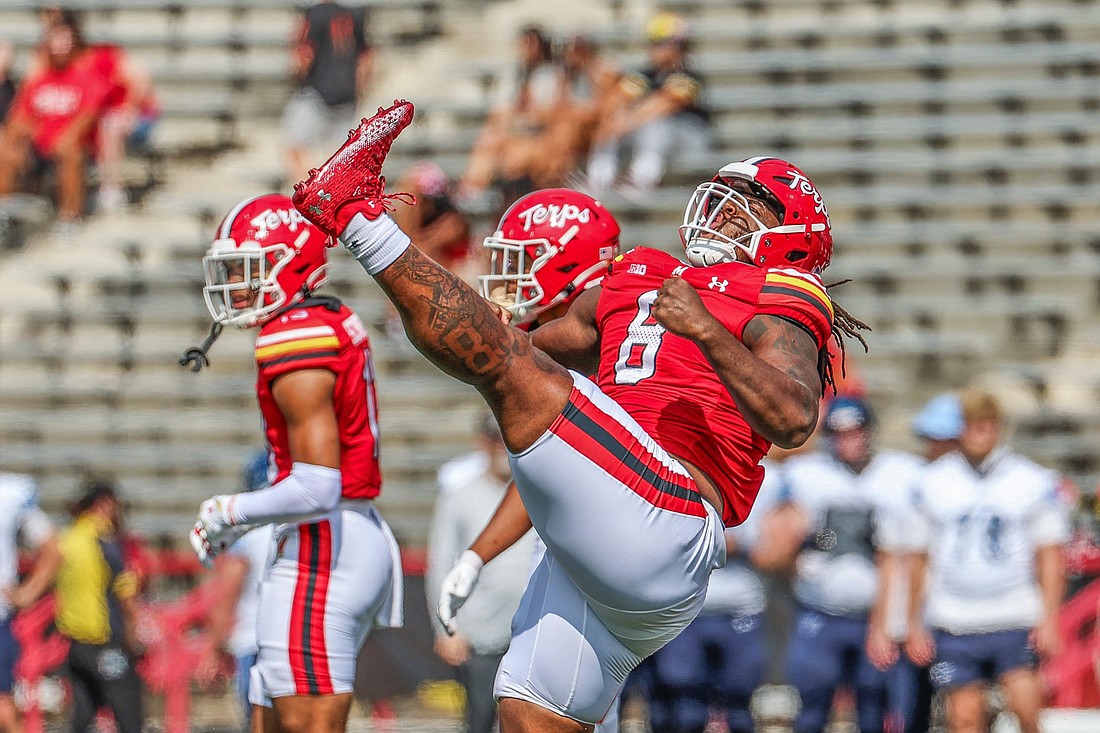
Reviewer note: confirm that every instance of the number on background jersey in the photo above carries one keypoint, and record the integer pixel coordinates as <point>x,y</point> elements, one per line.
<point>989,542</point>
<point>638,351</point>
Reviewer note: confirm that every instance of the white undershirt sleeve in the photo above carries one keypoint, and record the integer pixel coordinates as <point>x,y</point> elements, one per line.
<point>309,491</point>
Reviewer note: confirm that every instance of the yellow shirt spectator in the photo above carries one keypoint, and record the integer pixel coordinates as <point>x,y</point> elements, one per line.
<point>91,582</point>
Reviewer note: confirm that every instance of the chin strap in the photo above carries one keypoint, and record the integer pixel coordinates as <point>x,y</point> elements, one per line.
<point>196,358</point>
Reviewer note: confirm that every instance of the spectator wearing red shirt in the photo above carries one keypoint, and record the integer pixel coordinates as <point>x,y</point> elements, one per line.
<point>130,110</point>
<point>52,120</point>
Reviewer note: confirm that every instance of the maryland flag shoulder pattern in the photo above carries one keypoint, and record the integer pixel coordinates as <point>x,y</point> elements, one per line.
<point>799,295</point>
<point>296,348</point>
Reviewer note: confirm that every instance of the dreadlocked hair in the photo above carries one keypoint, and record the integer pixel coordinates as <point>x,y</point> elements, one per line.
<point>844,325</point>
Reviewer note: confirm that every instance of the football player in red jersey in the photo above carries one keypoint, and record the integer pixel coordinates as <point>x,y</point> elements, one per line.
<point>336,572</point>
<point>717,361</point>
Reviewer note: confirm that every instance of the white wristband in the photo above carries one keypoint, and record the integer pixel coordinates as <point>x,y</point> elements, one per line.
<point>376,243</point>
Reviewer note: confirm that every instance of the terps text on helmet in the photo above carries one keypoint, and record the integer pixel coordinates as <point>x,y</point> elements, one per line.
<point>271,219</point>
<point>801,182</point>
<point>554,215</point>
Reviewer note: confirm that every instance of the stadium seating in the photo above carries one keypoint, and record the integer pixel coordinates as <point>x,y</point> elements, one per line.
<point>954,142</point>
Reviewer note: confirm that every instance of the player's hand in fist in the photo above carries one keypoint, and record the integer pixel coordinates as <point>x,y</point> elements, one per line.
<point>680,310</point>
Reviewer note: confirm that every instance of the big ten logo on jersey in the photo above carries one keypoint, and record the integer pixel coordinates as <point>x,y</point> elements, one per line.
<point>802,183</point>
<point>636,268</point>
<point>355,329</point>
<point>268,221</point>
<point>554,215</point>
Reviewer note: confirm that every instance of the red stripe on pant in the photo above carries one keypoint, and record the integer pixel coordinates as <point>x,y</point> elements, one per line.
<point>599,454</point>
<point>307,652</point>
<point>622,435</point>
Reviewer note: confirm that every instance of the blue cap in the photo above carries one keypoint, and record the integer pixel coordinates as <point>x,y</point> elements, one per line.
<point>847,413</point>
<point>941,418</point>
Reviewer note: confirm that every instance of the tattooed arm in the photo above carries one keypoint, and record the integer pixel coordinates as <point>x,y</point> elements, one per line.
<point>458,331</point>
<point>771,373</point>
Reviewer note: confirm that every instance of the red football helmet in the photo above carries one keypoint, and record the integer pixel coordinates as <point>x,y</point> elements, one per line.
<point>802,239</point>
<point>549,247</point>
<point>266,255</point>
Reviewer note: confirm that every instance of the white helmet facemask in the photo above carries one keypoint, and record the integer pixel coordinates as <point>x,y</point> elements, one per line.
<point>511,282</point>
<point>231,268</point>
<point>704,244</point>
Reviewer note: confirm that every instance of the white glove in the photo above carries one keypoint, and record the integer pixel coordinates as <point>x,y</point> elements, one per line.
<point>214,532</point>
<point>457,587</point>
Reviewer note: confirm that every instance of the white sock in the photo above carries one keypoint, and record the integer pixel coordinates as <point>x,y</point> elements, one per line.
<point>376,243</point>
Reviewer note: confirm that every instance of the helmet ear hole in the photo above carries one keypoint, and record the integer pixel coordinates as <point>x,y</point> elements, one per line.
<point>797,255</point>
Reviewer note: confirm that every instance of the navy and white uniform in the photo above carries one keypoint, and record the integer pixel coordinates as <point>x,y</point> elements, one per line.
<point>836,579</point>
<point>19,515</point>
<point>981,528</point>
<point>718,661</point>
<point>257,548</point>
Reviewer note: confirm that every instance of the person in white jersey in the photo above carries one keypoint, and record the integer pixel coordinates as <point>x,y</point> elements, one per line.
<point>715,665</point>
<point>238,575</point>
<point>20,516</point>
<point>989,529</point>
<point>937,427</point>
<point>829,527</point>
<point>483,624</point>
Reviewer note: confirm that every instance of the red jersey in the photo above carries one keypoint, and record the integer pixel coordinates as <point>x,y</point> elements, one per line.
<point>321,333</point>
<point>108,60</point>
<point>53,98</point>
<point>666,383</point>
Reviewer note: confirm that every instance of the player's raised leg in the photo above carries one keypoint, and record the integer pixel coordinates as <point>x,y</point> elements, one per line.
<point>444,317</point>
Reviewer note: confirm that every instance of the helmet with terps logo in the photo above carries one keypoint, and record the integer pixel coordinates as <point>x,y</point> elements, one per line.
<point>264,248</point>
<point>803,238</point>
<point>548,248</point>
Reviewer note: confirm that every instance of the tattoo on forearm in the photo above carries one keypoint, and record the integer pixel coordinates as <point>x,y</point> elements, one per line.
<point>450,323</point>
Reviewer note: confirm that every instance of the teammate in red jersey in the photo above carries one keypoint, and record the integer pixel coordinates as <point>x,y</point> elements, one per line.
<point>336,572</point>
<point>633,531</point>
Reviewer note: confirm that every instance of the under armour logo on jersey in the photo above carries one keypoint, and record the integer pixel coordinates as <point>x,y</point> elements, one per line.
<point>719,285</point>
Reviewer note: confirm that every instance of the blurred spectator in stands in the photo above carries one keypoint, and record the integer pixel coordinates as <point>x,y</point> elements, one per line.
<point>130,108</point>
<point>511,151</point>
<point>237,577</point>
<point>828,529</point>
<point>331,66</point>
<point>22,519</point>
<point>129,115</point>
<point>986,529</point>
<point>587,82</point>
<point>435,223</point>
<point>715,665</point>
<point>469,492</point>
<point>656,113</point>
<point>53,121</point>
<point>95,611</point>
<point>7,83</point>
<point>937,426</point>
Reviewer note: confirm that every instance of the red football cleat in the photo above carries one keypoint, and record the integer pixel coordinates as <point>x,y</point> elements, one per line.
<point>351,181</point>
